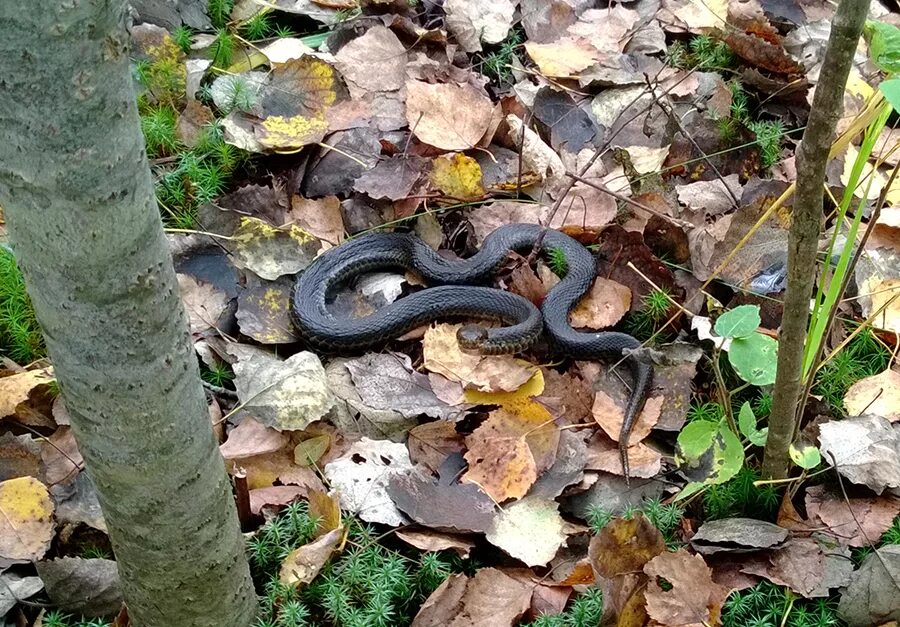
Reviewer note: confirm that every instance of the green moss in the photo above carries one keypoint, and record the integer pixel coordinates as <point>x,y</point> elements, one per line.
<point>863,356</point>
<point>367,585</point>
<point>219,374</point>
<point>586,610</point>
<point>20,335</point>
<point>158,125</point>
<point>768,140</point>
<point>60,619</point>
<point>183,37</point>
<point>258,27</point>
<point>496,63</point>
<point>767,605</point>
<point>222,49</point>
<point>654,311</point>
<point>219,12</point>
<point>739,497</point>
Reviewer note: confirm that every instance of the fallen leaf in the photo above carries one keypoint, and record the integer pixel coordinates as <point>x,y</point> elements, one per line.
<point>20,456</point>
<point>878,395</point>
<point>761,53</point>
<point>388,381</point>
<point>311,450</point>
<point>490,598</point>
<point>26,519</point>
<point>570,126</point>
<point>361,478</point>
<point>609,412</point>
<point>473,21</point>
<point>691,596</point>
<point>430,443</point>
<point>434,541</point>
<point>376,61</point>
<point>809,568</point>
<point>250,438</point>
<point>84,586</point>
<point>625,546</point>
<point>287,395</point>
<point>276,497</point>
<point>603,454</point>
<point>856,521</point>
<point>737,534</point>
<point>529,530</point>
<point>488,373</point>
<point>335,167</point>
<point>564,58</point>
<point>692,16</point>
<point>871,597</point>
<point>14,389</point>
<point>866,450</point>
<point>264,310</point>
<point>14,588</point>
<point>392,178</point>
<point>710,198</point>
<point>446,504</point>
<point>603,306</point>
<point>326,509</point>
<point>320,216</point>
<point>303,563</point>
<point>272,252</point>
<point>79,504</point>
<point>457,176</point>
<point>263,471</point>
<point>447,116</point>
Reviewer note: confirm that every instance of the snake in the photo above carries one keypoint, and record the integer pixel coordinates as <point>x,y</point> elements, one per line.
<point>460,288</point>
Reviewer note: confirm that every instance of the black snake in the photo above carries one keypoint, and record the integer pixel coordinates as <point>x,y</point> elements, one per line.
<point>456,293</point>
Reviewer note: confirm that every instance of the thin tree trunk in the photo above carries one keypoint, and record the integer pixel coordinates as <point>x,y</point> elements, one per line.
<point>812,156</point>
<point>78,196</point>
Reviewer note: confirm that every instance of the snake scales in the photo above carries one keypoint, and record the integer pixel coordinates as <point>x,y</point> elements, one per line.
<point>459,290</point>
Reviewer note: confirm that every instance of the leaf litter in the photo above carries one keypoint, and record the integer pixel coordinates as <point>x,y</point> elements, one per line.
<point>479,116</point>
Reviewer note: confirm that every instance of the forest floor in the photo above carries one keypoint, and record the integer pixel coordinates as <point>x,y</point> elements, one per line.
<point>422,484</point>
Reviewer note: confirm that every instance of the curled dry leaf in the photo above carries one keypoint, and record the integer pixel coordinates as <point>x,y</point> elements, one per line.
<point>15,388</point>
<point>488,373</point>
<point>737,534</point>
<point>436,541</point>
<point>303,563</point>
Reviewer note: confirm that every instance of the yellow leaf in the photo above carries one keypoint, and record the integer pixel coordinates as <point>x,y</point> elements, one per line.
<point>293,132</point>
<point>14,389</point>
<point>304,563</point>
<point>518,402</point>
<point>308,452</point>
<point>457,175</point>
<point>564,57</point>
<point>326,510</point>
<point>26,519</point>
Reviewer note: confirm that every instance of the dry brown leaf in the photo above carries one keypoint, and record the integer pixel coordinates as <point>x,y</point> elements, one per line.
<point>761,53</point>
<point>321,216</point>
<point>376,61</point>
<point>692,598</point>
<point>447,116</point>
<point>474,21</point>
<point>276,496</point>
<point>609,412</point>
<point>878,395</point>
<point>488,373</point>
<point>252,438</point>
<point>61,457</point>
<point>430,443</point>
<point>326,509</point>
<point>489,599</point>
<point>603,454</point>
<point>20,456</point>
<point>501,466</point>
<point>855,522</point>
<point>303,563</point>
<point>603,306</point>
<point>563,58</point>
<point>428,540</point>
<point>15,388</point>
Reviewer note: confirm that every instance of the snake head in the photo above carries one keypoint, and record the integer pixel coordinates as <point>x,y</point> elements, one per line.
<point>471,337</point>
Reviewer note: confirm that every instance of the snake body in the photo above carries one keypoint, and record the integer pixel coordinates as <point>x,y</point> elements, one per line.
<point>459,290</point>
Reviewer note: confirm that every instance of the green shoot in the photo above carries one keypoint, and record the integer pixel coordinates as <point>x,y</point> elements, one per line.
<point>739,497</point>
<point>768,139</point>
<point>20,335</point>
<point>183,37</point>
<point>222,49</point>
<point>556,259</point>
<point>863,356</point>
<point>258,27</point>
<point>158,125</point>
<point>585,610</point>
<point>654,310</point>
<point>283,32</point>
<point>497,65</point>
<point>219,12</point>
<point>711,412</point>
<point>219,374</point>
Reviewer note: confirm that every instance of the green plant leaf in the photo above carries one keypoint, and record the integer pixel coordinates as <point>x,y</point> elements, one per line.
<point>891,90</point>
<point>692,488</point>
<point>747,425</point>
<point>708,452</point>
<point>754,358</point>
<point>884,45</point>
<point>807,457</point>
<point>738,322</point>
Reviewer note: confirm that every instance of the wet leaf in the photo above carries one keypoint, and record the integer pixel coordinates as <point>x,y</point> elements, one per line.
<point>857,521</point>
<point>20,456</point>
<point>272,252</point>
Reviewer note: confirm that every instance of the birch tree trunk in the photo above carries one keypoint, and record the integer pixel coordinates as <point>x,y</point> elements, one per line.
<point>79,202</point>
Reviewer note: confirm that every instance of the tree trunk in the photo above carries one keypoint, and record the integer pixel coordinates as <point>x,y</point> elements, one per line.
<point>812,156</point>
<point>79,202</point>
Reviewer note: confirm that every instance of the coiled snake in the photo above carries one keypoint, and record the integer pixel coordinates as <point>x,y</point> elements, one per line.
<point>459,291</point>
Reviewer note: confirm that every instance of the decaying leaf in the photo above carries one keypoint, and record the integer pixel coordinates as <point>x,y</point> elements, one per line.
<point>563,58</point>
<point>737,534</point>
<point>854,521</point>
<point>15,388</point>
<point>272,252</point>
<point>84,586</point>
<point>457,176</point>
<point>871,598</point>
<point>14,588</point>
<point>473,21</point>
<point>603,306</point>
<point>625,546</point>
<point>202,301</point>
<point>430,443</point>
<point>264,310</point>
<point>287,395</point>
<point>26,519</point>
<point>362,475</point>
<point>691,596</point>
<point>250,438</point>
<point>435,541</point>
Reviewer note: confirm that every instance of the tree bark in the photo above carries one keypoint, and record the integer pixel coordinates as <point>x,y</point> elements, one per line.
<point>77,191</point>
<point>812,157</point>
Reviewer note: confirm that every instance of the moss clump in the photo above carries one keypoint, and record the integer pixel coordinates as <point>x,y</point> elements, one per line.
<point>20,335</point>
